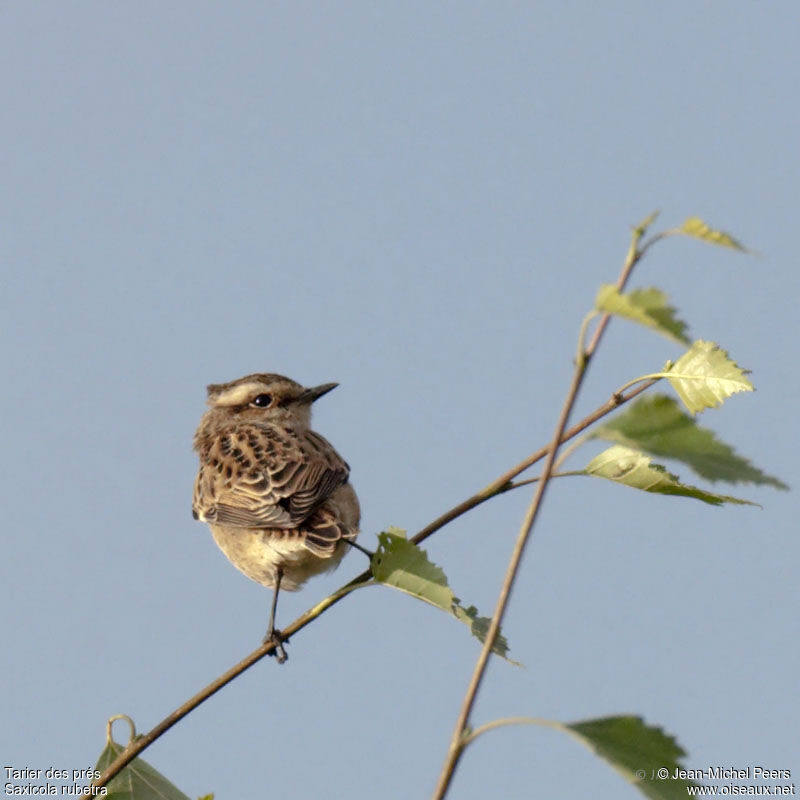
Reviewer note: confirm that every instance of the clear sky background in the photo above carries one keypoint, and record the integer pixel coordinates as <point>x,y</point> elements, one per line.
<point>419,201</point>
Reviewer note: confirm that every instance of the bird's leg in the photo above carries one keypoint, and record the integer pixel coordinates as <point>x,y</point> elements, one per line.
<point>368,553</point>
<point>274,635</point>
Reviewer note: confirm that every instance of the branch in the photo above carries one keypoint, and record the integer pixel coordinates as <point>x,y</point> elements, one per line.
<point>456,747</point>
<point>500,723</point>
<point>136,746</point>
<point>498,486</point>
<point>503,483</point>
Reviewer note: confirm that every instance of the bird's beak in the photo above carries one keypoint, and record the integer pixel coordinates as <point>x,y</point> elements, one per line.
<point>310,395</point>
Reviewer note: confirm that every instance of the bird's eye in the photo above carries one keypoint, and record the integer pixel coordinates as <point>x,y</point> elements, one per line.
<point>262,400</point>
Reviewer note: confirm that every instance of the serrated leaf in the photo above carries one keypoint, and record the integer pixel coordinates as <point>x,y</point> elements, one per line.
<point>656,424</point>
<point>405,566</point>
<point>633,468</point>
<point>648,307</point>
<point>694,226</point>
<point>704,376</point>
<point>637,751</point>
<point>137,781</point>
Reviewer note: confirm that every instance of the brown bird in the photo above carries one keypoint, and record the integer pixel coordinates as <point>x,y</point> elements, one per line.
<point>274,493</point>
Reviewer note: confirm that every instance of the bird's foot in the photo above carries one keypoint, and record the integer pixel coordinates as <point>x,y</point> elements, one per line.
<point>274,637</point>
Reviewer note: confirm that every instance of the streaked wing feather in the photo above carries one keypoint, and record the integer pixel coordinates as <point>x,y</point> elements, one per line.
<point>264,476</point>
<point>325,532</point>
<point>264,517</point>
<point>303,501</point>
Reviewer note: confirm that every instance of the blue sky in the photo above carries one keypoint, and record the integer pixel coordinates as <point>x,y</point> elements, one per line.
<point>418,202</point>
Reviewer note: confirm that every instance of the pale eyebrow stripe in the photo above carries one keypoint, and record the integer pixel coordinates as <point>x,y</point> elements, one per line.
<point>237,395</point>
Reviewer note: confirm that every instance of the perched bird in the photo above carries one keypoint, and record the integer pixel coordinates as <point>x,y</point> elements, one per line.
<point>275,494</point>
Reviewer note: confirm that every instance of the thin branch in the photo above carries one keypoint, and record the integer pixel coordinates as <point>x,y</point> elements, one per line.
<point>652,377</point>
<point>456,748</point>
<point>499,486</point>
<point>501,723</point>
<point>137,745</point>
<point>565,452</point>
<point>633,256</point>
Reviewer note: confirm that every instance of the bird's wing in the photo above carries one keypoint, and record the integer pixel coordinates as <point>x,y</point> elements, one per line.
<point>263,476</point>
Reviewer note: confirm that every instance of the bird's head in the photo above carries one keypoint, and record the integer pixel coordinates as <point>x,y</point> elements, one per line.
<point>264,397</point>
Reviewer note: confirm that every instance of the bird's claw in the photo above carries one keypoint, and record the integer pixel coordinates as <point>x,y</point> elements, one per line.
<point>274,637</point>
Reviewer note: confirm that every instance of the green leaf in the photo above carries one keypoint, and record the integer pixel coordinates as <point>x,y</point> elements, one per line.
<point>137,781</point>
<point>648,307</point>
<point>633,468</point>
<point>642,754</point>
<point>656,424</point>
<point>704,376</point>
<point>695,227</point>
<point>405,566</point>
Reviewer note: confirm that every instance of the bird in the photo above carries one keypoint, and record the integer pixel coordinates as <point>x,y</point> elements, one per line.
<point>275,494</point>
